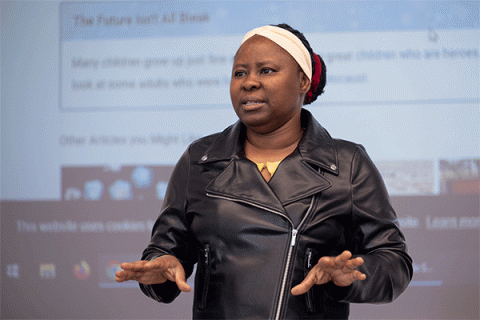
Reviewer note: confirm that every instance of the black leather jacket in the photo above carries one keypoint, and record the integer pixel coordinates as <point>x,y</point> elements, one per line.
<point>253,240</point>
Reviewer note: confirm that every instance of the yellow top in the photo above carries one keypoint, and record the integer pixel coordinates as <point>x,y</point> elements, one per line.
<point>271,166</point>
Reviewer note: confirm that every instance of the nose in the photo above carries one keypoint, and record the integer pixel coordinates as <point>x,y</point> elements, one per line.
<point>251,82</point>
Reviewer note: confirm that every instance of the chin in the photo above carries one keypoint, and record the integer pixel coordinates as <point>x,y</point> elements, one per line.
<point>259,127</point>
<point>252,120</point>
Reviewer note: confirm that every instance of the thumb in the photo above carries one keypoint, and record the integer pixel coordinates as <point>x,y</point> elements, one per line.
<point>304,286</point>
<point>180,279</point>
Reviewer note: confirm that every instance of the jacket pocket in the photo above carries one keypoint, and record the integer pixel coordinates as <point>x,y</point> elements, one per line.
<point>309,263</point>
<point>203,277</point>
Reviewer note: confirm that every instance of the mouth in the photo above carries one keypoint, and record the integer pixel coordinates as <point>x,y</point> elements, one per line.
<point>252,104</point>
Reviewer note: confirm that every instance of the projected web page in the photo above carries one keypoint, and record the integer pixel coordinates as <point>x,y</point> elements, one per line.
<point>117,58</point>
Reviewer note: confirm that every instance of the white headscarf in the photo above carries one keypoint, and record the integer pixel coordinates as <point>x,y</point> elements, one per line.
<point>289,42</point>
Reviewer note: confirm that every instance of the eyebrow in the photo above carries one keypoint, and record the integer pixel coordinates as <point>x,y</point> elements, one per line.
<point>258,64</point>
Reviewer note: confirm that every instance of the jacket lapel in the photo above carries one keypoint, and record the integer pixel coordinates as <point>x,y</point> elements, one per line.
<point>241,181</point>
<point>295,178</point>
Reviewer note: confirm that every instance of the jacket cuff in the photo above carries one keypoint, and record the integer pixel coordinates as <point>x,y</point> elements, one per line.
<point>163,292</point>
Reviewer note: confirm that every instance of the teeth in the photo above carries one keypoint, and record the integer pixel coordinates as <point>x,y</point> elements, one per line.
<point>250,103</point>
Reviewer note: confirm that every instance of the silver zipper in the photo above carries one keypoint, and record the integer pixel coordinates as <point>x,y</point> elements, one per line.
<point>206,254</point>
<point>309,259</point>
<point>293,240</point>
<point>285,273</point>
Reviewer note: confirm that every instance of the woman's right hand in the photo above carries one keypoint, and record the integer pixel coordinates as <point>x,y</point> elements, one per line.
<point>156,271</point>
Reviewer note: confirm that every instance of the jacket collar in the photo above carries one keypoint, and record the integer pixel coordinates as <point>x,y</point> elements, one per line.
<point>316,146</point>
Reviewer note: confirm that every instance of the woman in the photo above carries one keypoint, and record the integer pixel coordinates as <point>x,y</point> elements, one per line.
<point>272,208</point>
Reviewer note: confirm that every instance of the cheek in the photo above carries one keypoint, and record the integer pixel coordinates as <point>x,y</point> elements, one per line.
<point>233,90</point>
<point>234,96</point>
<point>291,91</point>
<point>281,92</point>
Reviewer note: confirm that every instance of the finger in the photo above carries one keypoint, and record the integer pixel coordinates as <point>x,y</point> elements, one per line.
<point>180,280</point>
<point>128,275</point>
<point>120,276</point>
<point>183,286</point>
<point>159,263</point>
<point>349,278</point>
<point>354,263</point>
<point>305,285</point>
<point>346,255</point>
<point>122,279</point>
<point>126,265</point>
<point>134,266</point>
<point>356,275</point>
<point>342,259</point>
<point>359,276</point>
<point>325,262</point>
<point>150,265</point>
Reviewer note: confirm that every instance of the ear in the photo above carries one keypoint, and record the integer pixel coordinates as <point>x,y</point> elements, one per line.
<point>304,83</point>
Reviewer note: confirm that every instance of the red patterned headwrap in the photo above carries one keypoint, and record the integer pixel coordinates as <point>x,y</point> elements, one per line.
<point>315,78</point>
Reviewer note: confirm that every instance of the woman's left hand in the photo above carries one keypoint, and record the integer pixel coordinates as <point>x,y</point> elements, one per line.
<point>339,269</point>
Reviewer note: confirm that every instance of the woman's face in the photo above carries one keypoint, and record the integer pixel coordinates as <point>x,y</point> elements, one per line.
<point>267,87</point>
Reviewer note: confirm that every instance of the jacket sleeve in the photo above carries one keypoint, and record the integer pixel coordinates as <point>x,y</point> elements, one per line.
<point>375,237</point>
<point>170,234</point>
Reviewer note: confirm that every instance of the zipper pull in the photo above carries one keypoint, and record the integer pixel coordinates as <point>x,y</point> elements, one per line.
<point>309,259</point>
<point>206,253</point>
<point>294,237</point>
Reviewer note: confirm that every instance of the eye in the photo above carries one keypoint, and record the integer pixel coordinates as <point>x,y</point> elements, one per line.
<point>239,73</point>
<point>266,70</point>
